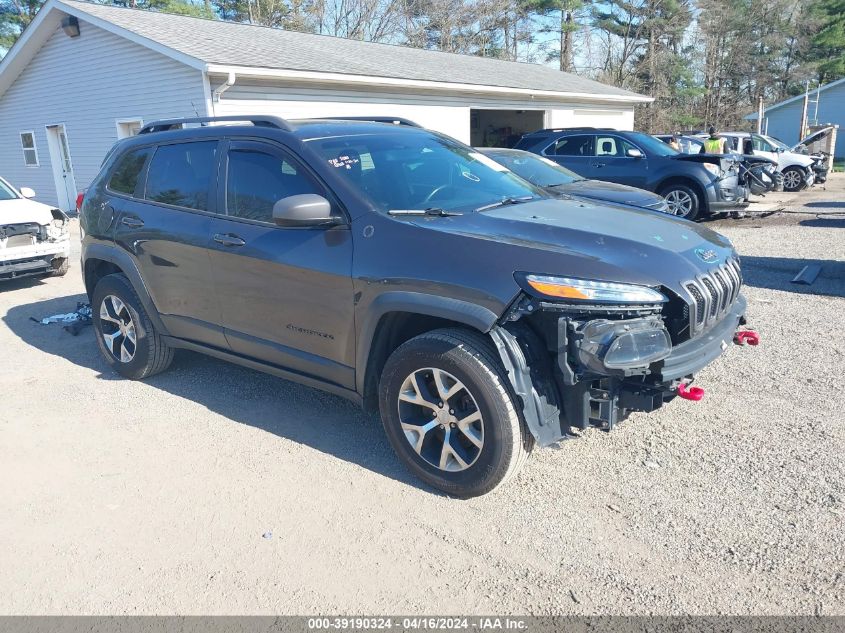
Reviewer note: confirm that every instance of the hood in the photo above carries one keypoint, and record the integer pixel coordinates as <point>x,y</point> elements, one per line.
<point>20,210</point>
<point>815,137</point>
<point>611,192</point>
<point>591,241</point>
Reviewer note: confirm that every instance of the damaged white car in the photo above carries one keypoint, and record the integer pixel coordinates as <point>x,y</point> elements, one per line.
<point>34,238</point>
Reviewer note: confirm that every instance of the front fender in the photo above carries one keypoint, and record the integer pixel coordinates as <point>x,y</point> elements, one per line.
<point>469,314</point>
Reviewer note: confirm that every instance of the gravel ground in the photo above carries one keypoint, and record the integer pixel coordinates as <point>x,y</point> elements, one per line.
<point>213,489</point>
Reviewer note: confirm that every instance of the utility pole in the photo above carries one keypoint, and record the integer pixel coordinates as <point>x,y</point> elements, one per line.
<point>760,114</point>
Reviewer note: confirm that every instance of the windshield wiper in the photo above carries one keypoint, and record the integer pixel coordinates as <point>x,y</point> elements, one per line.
<point>431,211</point>
<point>505,201</point>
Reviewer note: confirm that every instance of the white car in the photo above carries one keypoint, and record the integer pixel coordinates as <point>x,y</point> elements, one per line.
<point>34,238</point>
<point>797,169</point>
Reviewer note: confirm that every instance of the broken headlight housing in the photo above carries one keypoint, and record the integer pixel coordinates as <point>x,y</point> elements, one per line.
<point>606,346</point>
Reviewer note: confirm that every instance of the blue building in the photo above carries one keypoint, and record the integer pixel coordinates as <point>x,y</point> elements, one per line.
<point>783,120</point>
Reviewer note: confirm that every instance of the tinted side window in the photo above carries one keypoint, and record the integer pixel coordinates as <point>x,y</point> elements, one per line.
<point>124,178</point>
<point>578,145</point>
<point>256,180</point>
<point>180,174</point>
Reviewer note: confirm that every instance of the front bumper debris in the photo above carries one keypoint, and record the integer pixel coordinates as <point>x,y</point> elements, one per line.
<point>29,251</point>
<point>566,389</point>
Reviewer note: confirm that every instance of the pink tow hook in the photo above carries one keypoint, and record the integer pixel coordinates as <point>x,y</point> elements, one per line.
<point>690,393</point>
<point>747,337</point>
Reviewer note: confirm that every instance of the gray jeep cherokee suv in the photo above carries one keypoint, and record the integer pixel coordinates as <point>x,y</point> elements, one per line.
<point>402,269</point>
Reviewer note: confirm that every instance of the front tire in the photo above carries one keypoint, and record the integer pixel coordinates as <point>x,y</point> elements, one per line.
<point>60,267</point>
<point>682,200</point>
<point>793,179</point>
<point>126,336</point>
<point>450,414</point>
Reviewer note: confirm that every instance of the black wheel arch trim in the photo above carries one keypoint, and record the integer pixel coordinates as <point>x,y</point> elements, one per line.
<point>124,262</point>
<point>469,314</point>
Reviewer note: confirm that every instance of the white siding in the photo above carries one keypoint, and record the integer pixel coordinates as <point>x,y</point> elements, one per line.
<point>449,114</point>
<point>587,116</point>
<point>87,83</point>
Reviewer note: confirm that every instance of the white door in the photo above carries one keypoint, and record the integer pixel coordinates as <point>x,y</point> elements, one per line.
<point>62,166</point>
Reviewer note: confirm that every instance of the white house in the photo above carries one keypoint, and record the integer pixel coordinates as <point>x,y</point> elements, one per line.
<point>83,75</point>
<point>783,119</point>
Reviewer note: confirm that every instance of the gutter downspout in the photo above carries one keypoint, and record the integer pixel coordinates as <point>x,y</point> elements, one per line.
<point>219,90</point>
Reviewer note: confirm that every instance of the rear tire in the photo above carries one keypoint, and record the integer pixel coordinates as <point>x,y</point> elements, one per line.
<point>477,440</point>
<point>125,334</point>
<point>682,200</point>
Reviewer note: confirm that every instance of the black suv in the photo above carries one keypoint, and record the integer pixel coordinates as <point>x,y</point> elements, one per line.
<point>404,270</point>
<point>693,185</point>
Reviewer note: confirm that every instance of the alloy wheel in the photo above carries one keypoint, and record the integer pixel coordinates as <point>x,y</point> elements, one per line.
<point>680,203</point>
<point>441,419</point>
<point>118,329</point>
<point>791,179</point>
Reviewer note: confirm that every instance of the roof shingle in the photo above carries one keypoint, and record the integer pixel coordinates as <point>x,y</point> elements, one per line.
<point>229,43</point>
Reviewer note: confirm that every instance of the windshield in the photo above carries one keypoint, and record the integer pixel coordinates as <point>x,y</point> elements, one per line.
<point>776,142</point>
<point>651,145</point>
<point>690,145</point>
<point>421,170</point>
<point>535,169</point>
<point>6,192</point>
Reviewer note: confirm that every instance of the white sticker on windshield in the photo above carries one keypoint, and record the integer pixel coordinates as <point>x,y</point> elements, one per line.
<point>489,162</point>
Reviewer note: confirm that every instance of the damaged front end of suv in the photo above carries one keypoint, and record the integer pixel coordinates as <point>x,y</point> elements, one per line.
<point>584,353</point>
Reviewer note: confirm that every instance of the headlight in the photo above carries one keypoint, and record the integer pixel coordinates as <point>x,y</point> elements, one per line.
<point>606,346</point>
<point>713,169</point>
<point>588,290</point>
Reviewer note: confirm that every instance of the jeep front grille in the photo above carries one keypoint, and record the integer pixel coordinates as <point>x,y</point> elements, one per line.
<point>712,294</point>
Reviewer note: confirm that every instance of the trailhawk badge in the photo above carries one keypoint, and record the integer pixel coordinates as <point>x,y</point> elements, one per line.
<point>707,256</point>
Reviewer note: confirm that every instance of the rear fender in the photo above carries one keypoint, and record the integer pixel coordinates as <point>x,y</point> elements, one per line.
<point>125,263</point>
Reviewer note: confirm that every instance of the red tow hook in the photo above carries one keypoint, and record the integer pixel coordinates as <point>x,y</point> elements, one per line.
<point>749,337</point>
<point>690,393</point>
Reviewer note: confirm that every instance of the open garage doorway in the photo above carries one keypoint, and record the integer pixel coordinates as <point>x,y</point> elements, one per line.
<point>502,128</point>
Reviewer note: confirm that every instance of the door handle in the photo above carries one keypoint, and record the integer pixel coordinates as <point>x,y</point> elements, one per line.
<point>132,223</point>
<point>228,239</point>
<point>599,164</point>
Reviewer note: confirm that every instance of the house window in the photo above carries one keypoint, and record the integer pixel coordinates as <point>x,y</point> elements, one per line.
<point>128,127</point>
<point>30,153</point>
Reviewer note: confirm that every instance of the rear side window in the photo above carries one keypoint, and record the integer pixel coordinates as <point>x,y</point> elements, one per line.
<point>124,178</point>
<point>256,180</point>
<point>613,146</point>
<point>180,174</point>
<point>577,145</point>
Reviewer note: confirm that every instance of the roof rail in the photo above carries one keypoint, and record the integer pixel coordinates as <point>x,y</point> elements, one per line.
<point>177,124</point>
<point>395,120</point>
<point>573,128</point>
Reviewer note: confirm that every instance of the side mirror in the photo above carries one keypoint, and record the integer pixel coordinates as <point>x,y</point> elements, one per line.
<point>307,209</point>
<point>634,153</point>
<point>26,192</point>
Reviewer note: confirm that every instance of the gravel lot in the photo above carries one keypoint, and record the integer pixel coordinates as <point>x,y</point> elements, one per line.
<point>213,489</point>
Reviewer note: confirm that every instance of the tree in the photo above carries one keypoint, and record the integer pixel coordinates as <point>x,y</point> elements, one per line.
<point>828,45</point>
<point>15,16</point>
